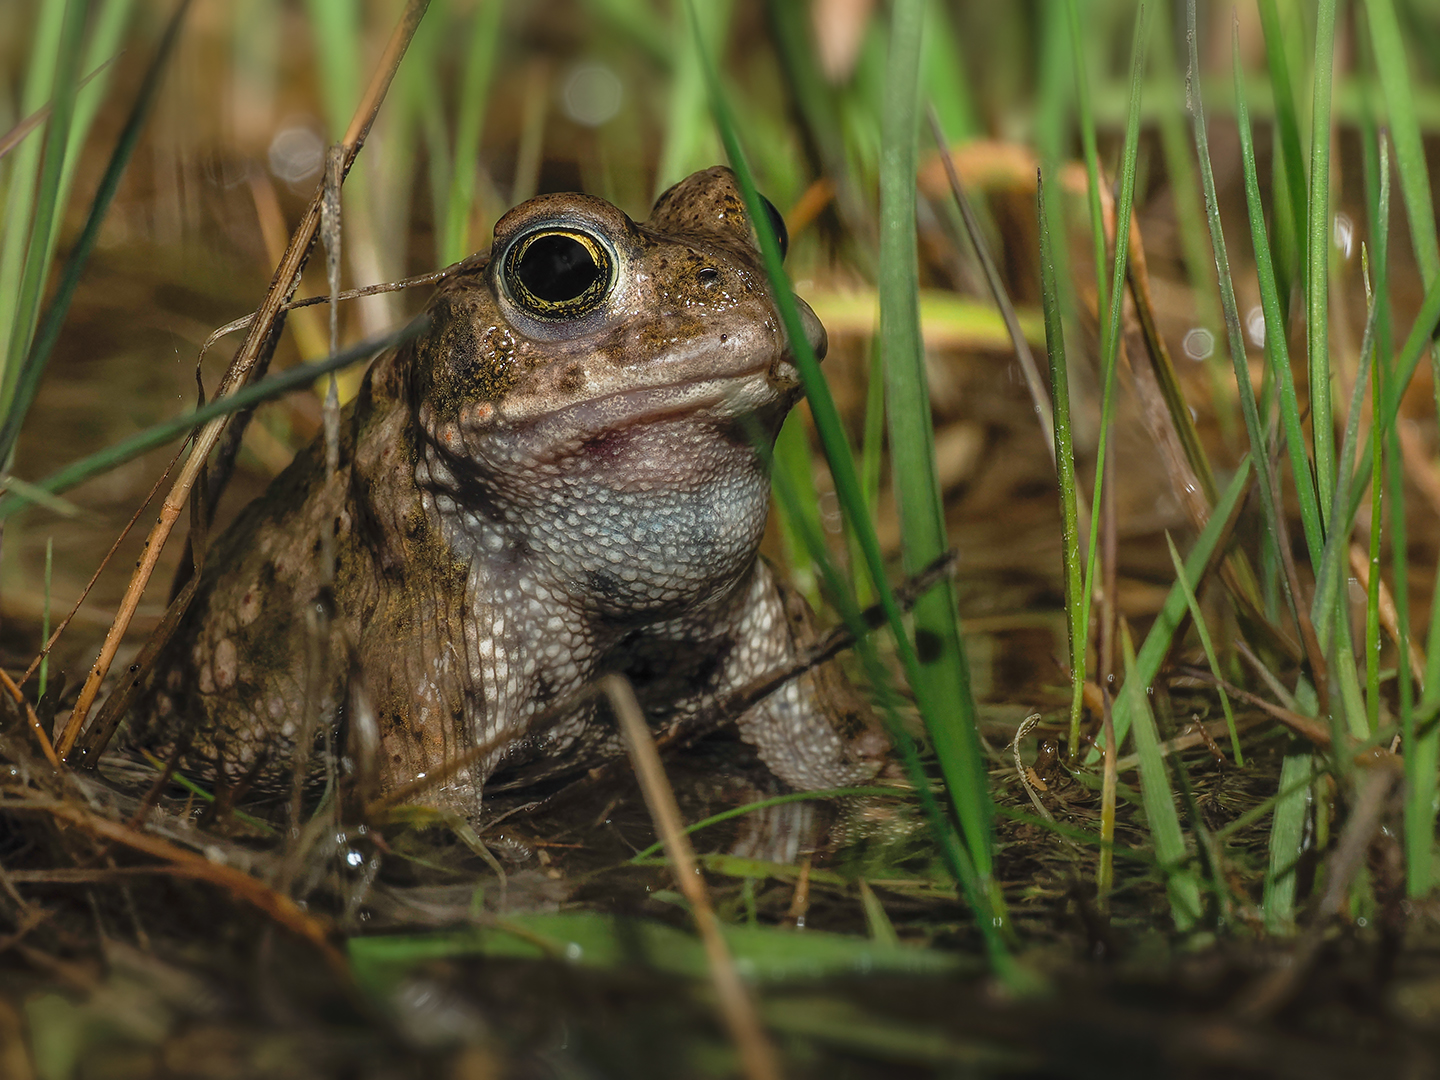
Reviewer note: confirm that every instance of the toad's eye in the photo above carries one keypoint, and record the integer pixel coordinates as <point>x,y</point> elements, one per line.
<point>558,273</point>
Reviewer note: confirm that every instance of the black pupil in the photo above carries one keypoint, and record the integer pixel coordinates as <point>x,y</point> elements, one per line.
<point>778,224</point>
<point>556,268</point>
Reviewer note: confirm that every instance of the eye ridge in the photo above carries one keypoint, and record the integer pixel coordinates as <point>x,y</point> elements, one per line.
<point>558,273</point>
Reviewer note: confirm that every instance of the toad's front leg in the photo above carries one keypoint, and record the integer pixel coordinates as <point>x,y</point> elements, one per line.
<point>814,731</point>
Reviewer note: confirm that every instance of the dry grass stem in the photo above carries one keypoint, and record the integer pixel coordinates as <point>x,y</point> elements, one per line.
<point>34,721</point>
<point>1044,411</point>
<point>736,1005</point>
<point>187,864</point>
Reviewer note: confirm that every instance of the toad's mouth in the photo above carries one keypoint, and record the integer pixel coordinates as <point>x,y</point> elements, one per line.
<point>768,388</point>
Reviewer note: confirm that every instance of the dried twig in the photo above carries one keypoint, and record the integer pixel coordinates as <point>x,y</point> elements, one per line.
<point>187,864</point>
<point>34,721</point>
<point>1044,411</point>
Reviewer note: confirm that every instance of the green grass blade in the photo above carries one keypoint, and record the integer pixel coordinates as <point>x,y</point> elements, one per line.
<point>105,41</point>
<point>1163,820</point>
<point>1329,601</point>
<point>1417,342</point>
<point>47,206</point>
<point>636,21</point>
<point>1198,618</point>
<point>1317,261</point>
<point>1422,756</point>
<point>1372,592</point>
<point>1393,67</point>
<point>24,171</point>
<point>1092,167</point>
<point>474,94</point>
<point>943,673</point>
<point>690,141</point>
<point>872,451</point>
<point>1110,335</point>
<point>1287,842</point>
<point>27,381</point>
<point>1422,753</point>
<point>1277,353</point>
<point>1269,497</point>
<point>12,502</point>
<point>1190,214</point>
<point>1065,468</point>
<point>335,25</point>
<point>1287,123</point>
<point>1162,631</point>
<point>943,76</point>
<point>793,458</point>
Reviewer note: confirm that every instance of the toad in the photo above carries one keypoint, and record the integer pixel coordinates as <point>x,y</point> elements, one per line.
<point>559,479</point>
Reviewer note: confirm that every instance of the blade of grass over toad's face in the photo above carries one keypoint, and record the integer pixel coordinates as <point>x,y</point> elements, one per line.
<point>1317,261</point>
<point>1198,618</point>
<point>103,461</point>
<point>975,881</point>
<point>943,671</point>
<point>1277,353</point>
<point>1110,332</point>
<point>475,87</point>
<point>1160,815</point>
<point>27,378</point>
<point>46,210</point>
<point>1065,468</point>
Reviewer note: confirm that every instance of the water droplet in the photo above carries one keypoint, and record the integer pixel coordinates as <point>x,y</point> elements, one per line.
<point>1199,343</point>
